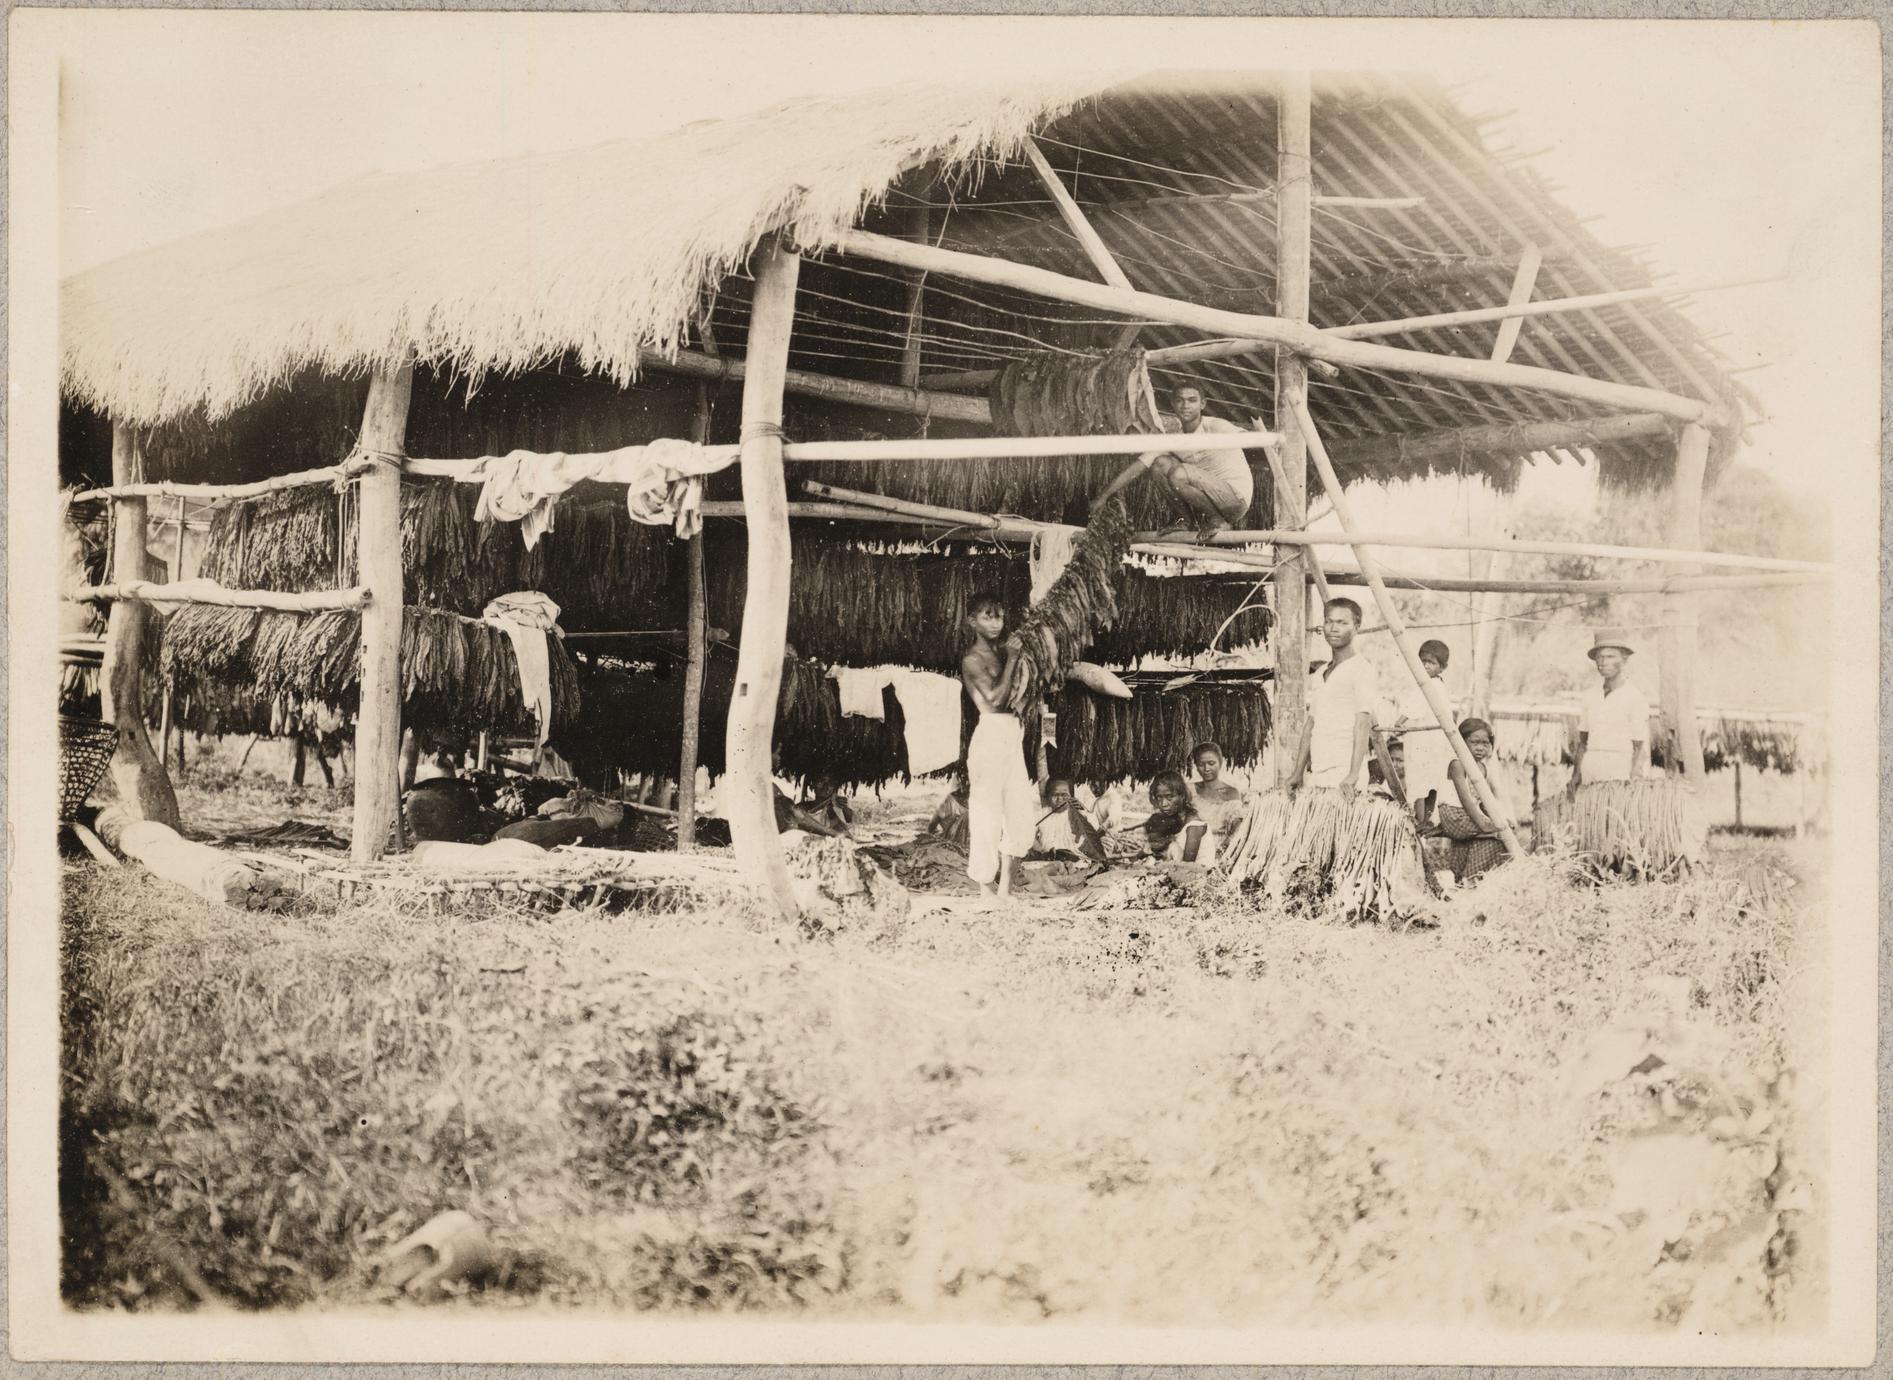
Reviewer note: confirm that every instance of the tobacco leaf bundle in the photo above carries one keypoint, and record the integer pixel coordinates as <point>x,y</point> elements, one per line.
<point>456,677</point>
<point>1648,827</point>
<point>1056,631</point>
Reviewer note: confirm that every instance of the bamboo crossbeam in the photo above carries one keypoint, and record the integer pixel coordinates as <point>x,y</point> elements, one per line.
<point>1089,240</point>
<point>1523,281</point>
<point>1517,310</point>
<point>328,474</point>
<point>860,506</point>
<point>928,448</point>
<point>1413,541</point>
<point>1390,614</point>
<point>1299,337</point>
<point>881,397</point>
<point>1235,348</point>
<point>211,593</point>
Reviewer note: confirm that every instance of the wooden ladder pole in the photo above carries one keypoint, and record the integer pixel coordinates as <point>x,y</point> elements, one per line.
<point>378,568</point>
<point>1390,615</point>
<point>765,629</point>
<point>1676,643</point>
<point>137,770</point>
<point>1294,182</point>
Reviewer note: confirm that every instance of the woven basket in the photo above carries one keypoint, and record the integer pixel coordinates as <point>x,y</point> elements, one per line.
<point>85,750</point>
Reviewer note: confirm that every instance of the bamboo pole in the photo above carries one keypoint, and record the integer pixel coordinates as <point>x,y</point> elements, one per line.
<point>137,771</point>
<point>1088,240</point>
<point>859,505</point>
<point>696,652</point>
<point>211,593</point>
<point>1676,643</point>
<point>328,474</point>
<point>920,226</point>
<point>1298,336</point>
<point>764,636</point>
<point>1523,281</point>
<point>1294,180</point>
<point>378,561</point>
<point>882,397</point>
<point>1390,615</point>
<point>177,573</point>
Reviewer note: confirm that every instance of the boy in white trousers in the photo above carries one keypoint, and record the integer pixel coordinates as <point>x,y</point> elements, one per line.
<point>1002,807</point>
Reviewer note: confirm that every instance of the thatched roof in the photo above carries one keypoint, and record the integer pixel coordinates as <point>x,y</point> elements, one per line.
<point>501,266</point>
<point>586,258</point>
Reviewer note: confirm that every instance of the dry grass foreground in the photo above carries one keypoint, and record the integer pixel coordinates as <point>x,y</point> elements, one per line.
<point>1567,1104</point>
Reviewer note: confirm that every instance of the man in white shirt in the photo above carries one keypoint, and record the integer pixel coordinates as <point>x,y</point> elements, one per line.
<point>1216,487</point>
<point>1341,700</point>
<point>1614,728</point>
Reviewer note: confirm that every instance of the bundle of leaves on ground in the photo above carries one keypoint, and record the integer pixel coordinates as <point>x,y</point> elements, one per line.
<point>1354,857</point>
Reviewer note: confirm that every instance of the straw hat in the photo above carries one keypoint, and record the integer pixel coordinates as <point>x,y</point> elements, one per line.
<point>1610,637</point>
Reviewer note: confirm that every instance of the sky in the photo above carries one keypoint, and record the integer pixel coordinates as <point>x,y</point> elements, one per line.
<point>1730,150</point>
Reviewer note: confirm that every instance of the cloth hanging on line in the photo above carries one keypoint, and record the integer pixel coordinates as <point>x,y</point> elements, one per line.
<point>1050,554</point>
<point>664,482</point>
<point>529,620</point>
<point>861,690</point>
<point>930,709</point>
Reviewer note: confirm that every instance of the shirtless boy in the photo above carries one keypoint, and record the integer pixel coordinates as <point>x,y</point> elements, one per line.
<point>1002,807</point>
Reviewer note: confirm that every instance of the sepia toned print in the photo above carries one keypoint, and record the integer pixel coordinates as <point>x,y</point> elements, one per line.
<point>1146,703</point>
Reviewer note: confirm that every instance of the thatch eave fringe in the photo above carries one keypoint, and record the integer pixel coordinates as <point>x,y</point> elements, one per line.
<point>214,320</point>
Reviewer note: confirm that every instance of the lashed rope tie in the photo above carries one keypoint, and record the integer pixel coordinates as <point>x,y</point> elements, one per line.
<point>362,461</point>
<point>761,431</point>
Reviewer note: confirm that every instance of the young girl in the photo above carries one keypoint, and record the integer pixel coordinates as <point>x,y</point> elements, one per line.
<point>1476,846</point>
<point>1175,831</point>
<point>1426,752</point>
<point>1063,828</point>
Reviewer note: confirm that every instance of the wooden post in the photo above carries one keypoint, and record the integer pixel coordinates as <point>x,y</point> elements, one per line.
<point>919,225</point>
<point>1485,637</point>
<point>137,770</point>
<point>1676,645</point>
<point>1738,792</point>
<point>1294,181</point>
<point>177,573</point>
<point>765,630</point>
<point>1390,615</point>
<point>696,649</point>
<point>378,565</point>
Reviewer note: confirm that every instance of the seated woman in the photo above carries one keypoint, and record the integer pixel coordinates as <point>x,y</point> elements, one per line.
<point>1064,829</point>
<point>1476,847</point>
<point>1175,831</point>
<point>949,820</point>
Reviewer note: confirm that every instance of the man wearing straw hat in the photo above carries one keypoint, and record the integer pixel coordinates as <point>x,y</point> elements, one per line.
<point>1614,726</point>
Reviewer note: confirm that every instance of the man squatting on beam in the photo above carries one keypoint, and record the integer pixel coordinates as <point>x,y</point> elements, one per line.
<point>1214,486</point>
<point>1002,806</point>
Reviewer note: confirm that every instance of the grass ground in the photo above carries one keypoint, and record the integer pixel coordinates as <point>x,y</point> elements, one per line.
<point>1565,1104</point>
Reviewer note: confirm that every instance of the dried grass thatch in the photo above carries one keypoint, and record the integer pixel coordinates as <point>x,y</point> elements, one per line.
<point>500,266</point>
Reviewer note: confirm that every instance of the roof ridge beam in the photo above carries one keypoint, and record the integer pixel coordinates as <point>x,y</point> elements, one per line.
<point>1298,336</point>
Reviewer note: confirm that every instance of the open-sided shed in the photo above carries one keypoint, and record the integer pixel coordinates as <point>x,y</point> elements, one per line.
<point>873,271</point>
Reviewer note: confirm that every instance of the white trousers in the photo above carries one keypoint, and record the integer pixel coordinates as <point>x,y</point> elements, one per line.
<point>1002,808</point>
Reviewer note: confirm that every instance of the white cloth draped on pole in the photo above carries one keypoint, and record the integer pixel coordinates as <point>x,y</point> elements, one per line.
<point>529,620</point>
<point>861,690</point>
<point>664,482</point>
<point>930,710</point>
<point>1050,554</point>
